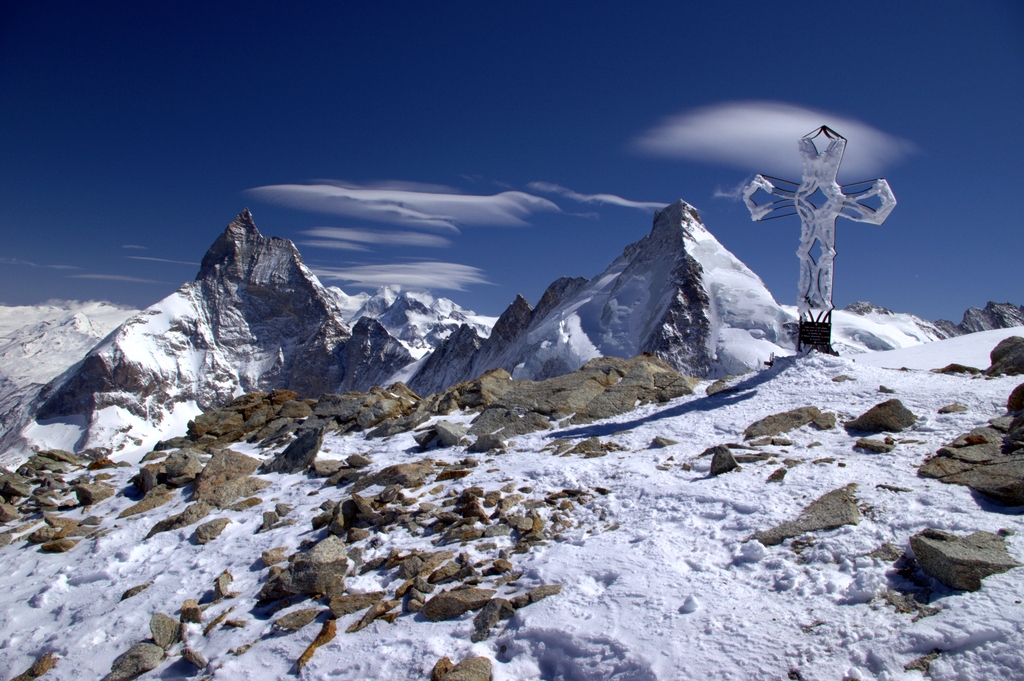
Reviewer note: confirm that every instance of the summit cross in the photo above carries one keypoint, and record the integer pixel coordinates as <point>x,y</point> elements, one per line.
<point>819,199</point>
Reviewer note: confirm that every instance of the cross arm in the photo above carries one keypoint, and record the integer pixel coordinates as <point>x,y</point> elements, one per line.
<point>854,209</point>
<point>786,200</point>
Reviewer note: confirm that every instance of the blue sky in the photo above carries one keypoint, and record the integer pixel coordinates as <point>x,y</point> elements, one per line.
<point>462,146</point>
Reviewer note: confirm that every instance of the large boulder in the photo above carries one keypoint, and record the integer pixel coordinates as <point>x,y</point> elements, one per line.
<point>227,477</point>
<point>321,570</point>
<point>961,562</point>
<point>977,460</point>
<point>140,658</point>
<point>890,416</point>
<point>1007,357</point>
<point>831,510</point>
<point>451,604</point>
<point>299,455</point>
<point>777,424</point>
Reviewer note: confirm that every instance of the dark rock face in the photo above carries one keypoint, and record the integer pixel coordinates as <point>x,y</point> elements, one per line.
<point>993,316</point>
<point>255,318</point>
<point>1007,357</point>
<point>961,562</point>
<point>370,355</point>
<point>299,455</point>
<point>722,460</point>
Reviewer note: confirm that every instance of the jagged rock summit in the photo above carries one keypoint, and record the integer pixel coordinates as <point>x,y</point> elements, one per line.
<point>677,293</point>
<point>255,318</point>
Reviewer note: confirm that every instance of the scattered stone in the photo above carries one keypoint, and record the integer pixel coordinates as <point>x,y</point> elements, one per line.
<point>497,609</point>
<point>892,488</point>
<point>842,378</point>
<point>981,466</point>
<point>877,446</point>
<point>404,475</point>
<point>135,590</point>
<point>226,478</point>
<point>245,504</point>
<point>89,494</point>
<point>778,475</point>
<point>8,513</point>
<point>378,610</point>
<point>352,603</point>
<point>1015,402</point>
<point>470,669</point>
<point>273,556</point>
<point>194,657</point>
<point>294,621</point>
<point>166,630</point>
<point>451,604</point>
<point>777,424</point>
<point>487,442</point>
<point>319,571</point>
<point>534,595</point>
<point>923,664</point>
<point>961,562</point>
<point>883,389</point>
<point>906,603</point>
<point>831,510</point>
<point>270,518</point>
<point>1007,357</point>
<point>299,455</point>
<point>222,586</point>
<point>193,513</point>
<point>722,460</point>
<point>139,659</point>
<point>209,531</point>
<point>449,434</point>
<point>955,368</point>
<point>441,667</point>
<point>42,665</point>
<point>155,498</point>
<point>954,408</point>
<point>889,416</point>
<point>661,442</point>
<point>326,635</point>
<point>191,612</point>
<point>887,552</point>
<point>58,545</point>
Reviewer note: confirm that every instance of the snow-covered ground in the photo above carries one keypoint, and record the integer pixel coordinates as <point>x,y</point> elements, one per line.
<point>661,579</point>
<point>971,350</point>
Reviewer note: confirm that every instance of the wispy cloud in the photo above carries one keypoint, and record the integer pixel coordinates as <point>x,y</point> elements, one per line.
<point>408,204</point>
<point>732,193</point>
<point>429,275</point>
<point>116,277</point>
<point>611,199</point>
<point>140,248</point>
<point>762,136</point>
<point>352,239</point>
<point>176,262</point>
<point>27,263</point>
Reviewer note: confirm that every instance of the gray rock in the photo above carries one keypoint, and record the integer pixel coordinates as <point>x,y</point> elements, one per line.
<point>140,658</point>
<point>89,494</point>
<point>982,466</point>
<point>404,475</point>
<point>777,424</point>
<point>193,513</point>
<point>877,446</point>
<point>352,603</point>
<point>325,468</point>
<point>487,442</point>
<point>209,531</point>
<point>194,657</point>
<point>961,562</point>
<point>294,621</point>
<point>8,513</point>
<point>299,455</point>
<point>470,669</point>
<point>451,604</point>
<point>1015,402</point>
<point>294,409</point>
<point>831,510</point>
<point>722,460</point>
<point>497,609</point>
<point>182,467</point>
<point>534,595</point>
<point>660,442</point>
<point>1007,357</point>
<point>225,478</point>
<point>890,416</point>
<point>166,630</point>
<point>135,590</point>
<point>319,571</point>
<point>449,434</point>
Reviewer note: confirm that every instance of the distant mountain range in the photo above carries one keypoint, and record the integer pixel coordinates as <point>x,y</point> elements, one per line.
<point>256,318</point>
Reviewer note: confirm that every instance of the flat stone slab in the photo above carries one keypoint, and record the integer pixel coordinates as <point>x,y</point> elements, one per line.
<point>961,562</point>
<point>831,510</point>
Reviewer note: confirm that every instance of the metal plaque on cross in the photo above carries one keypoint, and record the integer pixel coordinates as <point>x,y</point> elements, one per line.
<point>819,199</point>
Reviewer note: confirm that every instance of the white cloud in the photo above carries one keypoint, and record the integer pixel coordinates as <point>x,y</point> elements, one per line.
<point>116,277</point>
<point>762,137</point>
<point>397,203</point>
<point>176,262</point>
<point>611,199</point>
<point>18,261</point>
<point>350,239</point>
<point>428,275</point>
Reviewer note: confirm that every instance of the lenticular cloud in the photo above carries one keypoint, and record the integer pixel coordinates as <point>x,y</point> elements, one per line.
<point>762,137</point>
<point>409,207</point>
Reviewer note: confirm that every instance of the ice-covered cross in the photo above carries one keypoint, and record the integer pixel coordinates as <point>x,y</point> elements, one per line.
<point>819,200</point>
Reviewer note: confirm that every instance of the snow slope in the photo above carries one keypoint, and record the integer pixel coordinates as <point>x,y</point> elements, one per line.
<point>660,578</point>
<point>971,350</point>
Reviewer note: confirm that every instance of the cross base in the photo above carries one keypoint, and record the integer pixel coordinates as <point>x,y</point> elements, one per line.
<point>816,336</point>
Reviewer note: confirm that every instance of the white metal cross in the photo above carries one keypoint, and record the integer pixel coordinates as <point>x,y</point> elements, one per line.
<point>819,200</point>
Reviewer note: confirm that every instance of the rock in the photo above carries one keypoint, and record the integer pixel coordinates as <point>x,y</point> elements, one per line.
<point>487,442</point>
<point>193,513</point>
<point>191,612</point>
<point>319,571</point>
<point>922,664</point>
<point>842,378</point>
<point>135,590</point>
<point>441,667</point>
<point>983,467</point>
<point>777,475</point>
<point>890,416</point>
<point>722,460</point>
<point>270,518</point>
<point>42,665</point>
<point>194,658</point>
<point>216,422</point>
<point>226,478</point>
<point>451,604</point>
<point>449,434</point>
<point>351,603</point>
<point>155,498</point>
<point>325,468</point>
<point>1015,402</point>
<point>661,442</point>
<point>326,635</point>
<point>961,562</point>
<point>404,475</point>
<point>139,659</point>
<point>534,595</point>
<point>8,513</point>
<point>294,621</point>
<point>1007,357</point>
<point>273,556</point>
<point>89,494</point>
<point>831,510</point>
<point>166,630</point>
<point>379,609</point>
<point>299,455</point>
<point>887,552</point>
<point>182,467</point>
<point>5,539</point>
<point>952,409</point>
<point>470,669</point>
<point>497,609</point>
<point>222,586</point>
<point>955,368</point>
<point>777,424</point>
<point>877,446</point>
<point>294,409</point>
<point>58,545</point>
<point>209,531</point>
